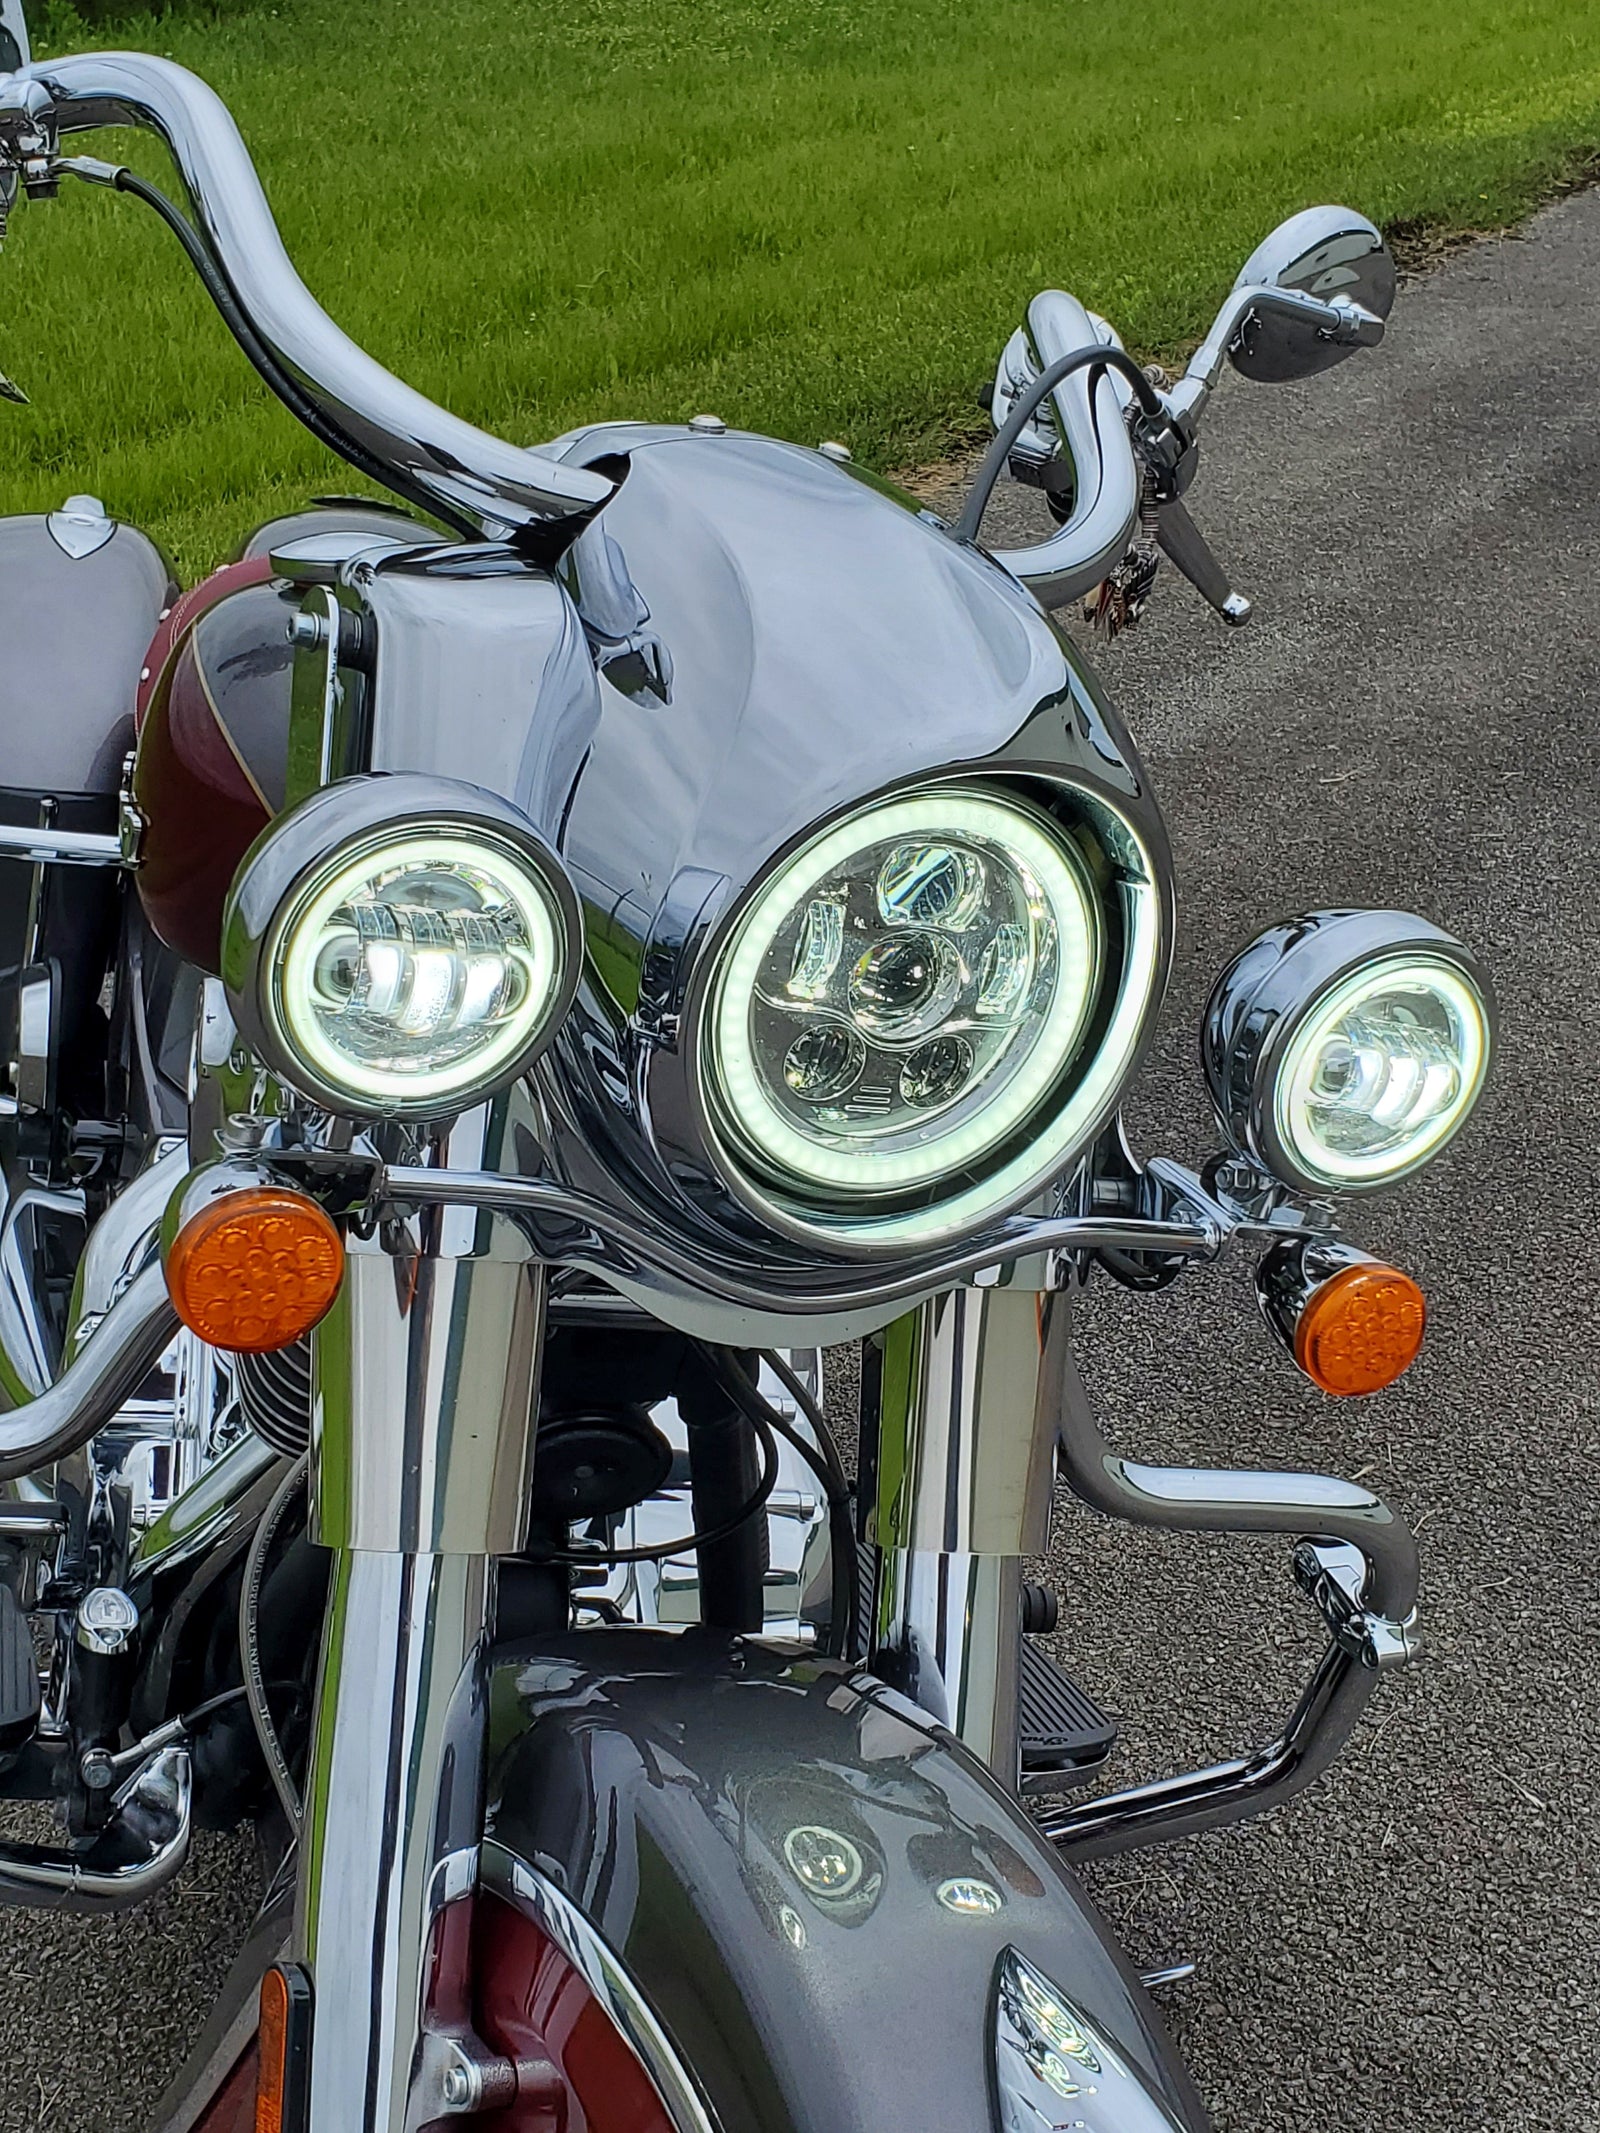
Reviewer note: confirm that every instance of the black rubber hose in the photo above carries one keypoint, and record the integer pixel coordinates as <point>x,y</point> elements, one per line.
<point>272,373</point>
<point>824,1463</point>
<point>1102,357</point>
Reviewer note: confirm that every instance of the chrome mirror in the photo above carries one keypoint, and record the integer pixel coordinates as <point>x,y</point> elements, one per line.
<point>1330,253</point>
<point>14,48</point>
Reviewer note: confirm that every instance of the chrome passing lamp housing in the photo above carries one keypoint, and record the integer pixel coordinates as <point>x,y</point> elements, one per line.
<point>1343,1050</point>
<point>400,946</point>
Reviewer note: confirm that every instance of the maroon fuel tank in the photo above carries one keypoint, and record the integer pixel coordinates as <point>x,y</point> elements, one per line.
<point>213,720</point>
<point>213,734</point>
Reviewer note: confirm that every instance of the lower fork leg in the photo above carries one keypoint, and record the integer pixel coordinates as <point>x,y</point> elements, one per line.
<point>956,1468</point>
<point>393,1818</point>
<point>947,1632</point>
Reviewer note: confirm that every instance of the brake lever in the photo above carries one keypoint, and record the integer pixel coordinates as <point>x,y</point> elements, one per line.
<point>1186,547</point>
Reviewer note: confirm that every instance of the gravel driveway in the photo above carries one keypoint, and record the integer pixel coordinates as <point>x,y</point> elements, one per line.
<point>1414,718</point>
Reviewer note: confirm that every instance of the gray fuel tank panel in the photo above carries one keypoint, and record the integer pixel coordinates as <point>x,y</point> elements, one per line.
<point>80,598</point>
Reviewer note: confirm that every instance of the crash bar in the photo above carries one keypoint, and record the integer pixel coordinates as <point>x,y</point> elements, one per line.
<point>1357,1559</point>
<point>104,1375</point>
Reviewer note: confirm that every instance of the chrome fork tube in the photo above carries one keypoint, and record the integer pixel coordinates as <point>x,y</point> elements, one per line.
<point>425,1386</point>
<point>957,1492</point>
<point>421,1419</point>
<point>946,1631</point>
<point>392,1819</point>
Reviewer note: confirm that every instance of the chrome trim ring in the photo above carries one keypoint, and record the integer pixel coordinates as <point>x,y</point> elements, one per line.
<point>560,1920</point>
<point>1128,999</point>
<point>307,845</point>
<point>1268,993</point>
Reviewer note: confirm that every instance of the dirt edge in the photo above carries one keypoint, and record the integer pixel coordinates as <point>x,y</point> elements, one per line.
<point>1420,247</point>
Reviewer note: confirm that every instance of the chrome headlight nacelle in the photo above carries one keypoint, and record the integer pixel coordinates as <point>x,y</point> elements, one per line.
<point>1343,1050</point>
<point>927,1008</point>
<point>400,946</point>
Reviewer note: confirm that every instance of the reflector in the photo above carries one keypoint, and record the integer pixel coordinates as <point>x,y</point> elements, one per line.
<point>283,2041</point>
<point>255,1269</point>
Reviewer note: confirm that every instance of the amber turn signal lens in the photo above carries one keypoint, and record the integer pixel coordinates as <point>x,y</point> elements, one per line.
<point>283,2041</point>
<point>1360,1329</point>
<point>255,1270</point>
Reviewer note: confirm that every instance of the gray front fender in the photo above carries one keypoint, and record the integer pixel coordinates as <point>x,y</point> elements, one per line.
<point>839,1921</point>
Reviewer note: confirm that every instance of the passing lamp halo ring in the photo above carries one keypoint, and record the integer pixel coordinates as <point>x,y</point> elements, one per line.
<point>400,946</point>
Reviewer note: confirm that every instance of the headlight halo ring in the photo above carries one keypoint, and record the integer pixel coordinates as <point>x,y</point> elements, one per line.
<point>339,835</point>
<point>1127,884</point>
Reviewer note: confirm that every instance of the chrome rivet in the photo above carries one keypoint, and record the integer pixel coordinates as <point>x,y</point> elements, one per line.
<point>708,425</point>
<point>834,450</point>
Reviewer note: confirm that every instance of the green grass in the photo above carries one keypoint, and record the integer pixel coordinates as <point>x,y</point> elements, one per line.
<point>817,217</point>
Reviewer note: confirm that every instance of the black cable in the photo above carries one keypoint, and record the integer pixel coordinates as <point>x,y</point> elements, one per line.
<point>277,379</point>
<point>601,1553</point>
<point>1144,1273</point>
<point>802,1397</point>
<point>188,1721</point>
<point>1102,357</point>
<point>824,1462</point>
<point>203,1711</point>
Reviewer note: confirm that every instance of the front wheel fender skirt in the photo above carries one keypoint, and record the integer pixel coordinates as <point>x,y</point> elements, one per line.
<point>822,1903</point>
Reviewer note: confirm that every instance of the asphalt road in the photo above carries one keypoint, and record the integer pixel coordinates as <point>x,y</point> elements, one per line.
<point>1414,718</point>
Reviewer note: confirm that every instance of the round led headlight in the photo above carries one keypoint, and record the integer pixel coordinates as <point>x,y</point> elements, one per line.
<point>1345,1050</point>
<point>905,996</point>
<point>400,946</point>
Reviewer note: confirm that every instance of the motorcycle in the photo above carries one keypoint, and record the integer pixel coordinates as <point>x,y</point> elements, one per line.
<point>501,988</point>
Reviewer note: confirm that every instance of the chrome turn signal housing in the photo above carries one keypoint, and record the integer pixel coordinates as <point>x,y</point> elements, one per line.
<point>1344,1049</point>
<point>1353,1324</point>
<point>400,946</point>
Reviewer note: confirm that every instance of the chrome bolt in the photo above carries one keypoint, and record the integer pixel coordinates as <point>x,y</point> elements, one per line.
<point>833,450</point>
<point>461,2084</point>
<point>97,1770</point>
<point>708,425</point>
<point>308,631</point>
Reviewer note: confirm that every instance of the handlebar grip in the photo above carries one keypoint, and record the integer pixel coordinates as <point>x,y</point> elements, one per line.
<point>1106,481</point>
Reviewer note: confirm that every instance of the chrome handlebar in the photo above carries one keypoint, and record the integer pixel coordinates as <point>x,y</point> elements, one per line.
<point>1091,431</point>
<point>463,470</point>
<point>1106,477</point>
